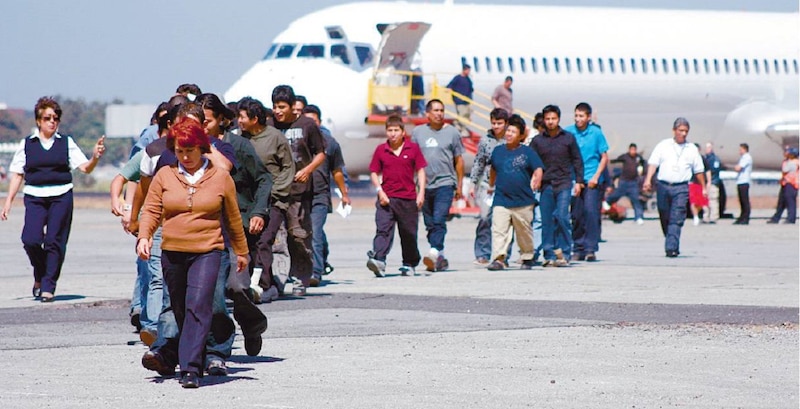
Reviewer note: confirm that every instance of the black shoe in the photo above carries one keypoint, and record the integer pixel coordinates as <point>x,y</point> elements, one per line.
<point>252,345</point>
<point>788,222</point>
<point>672,253</point>
<point>37,292</point>
<point>328,269</point>
<point>591,257</point>
<point>189,380</point>
<point>136,322</point>
<point>496,265</point>
<point>772,221</point>
<point>155,362</point>
<point>578,257</point>
<point>527,265</point>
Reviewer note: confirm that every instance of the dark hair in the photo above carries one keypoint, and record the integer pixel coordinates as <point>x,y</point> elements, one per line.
<point>584,107</point>
<point>283,93</point>
<point>538,120</point>
<point>189,89</point>
<point>430,103</point>
<point>499,113</point>
<point>254,109</point>
<point>680,121</point>
<point>508,78</point>
<point>302,99</point>
<point>517,122</point>
<point>46,102</point>
<point>213,103</point>
<point>174,105</point>
<point>633,145</point>
<point>162,120</point>
<point>395,120</point>
<point>551,108</point>
<point>313,109</point>
<point>191,108</point>
<point>465,67</point>
<point>745,146</point>
<point>164,106</point>
<point>188,133</point>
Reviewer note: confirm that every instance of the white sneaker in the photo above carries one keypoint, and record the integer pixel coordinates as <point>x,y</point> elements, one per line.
<point>407,271</point>
<point>270,295</point>
<point>606,206</point>
<point>640,221</point>
<point>696,221</point>
<point>430,260</point>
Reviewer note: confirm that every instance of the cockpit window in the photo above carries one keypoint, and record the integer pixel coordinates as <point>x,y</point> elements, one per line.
<point>311,51</point>
<point>270,52</point>
<point>364,55</point>
<point>285,51</point>
<point>340,51</point>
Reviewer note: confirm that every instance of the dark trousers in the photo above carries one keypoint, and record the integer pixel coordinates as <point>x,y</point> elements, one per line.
<point>781,205</point>
<point>629,189</point>
<point>723,198</point>
<point>434,214</point>
<point>298,226</point>
<point>191,278</point>
<point>744,202</point>
<point>671,201</point>
<point>46,250</point>
<point>790,199</point>
<point>404,214</point>
<point>586,220</point>
<point>264,247</point>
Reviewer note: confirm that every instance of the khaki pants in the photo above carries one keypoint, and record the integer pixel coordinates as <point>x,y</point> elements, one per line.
<point>713,203</point>
<point>463,111</point>
<point>503,220</point>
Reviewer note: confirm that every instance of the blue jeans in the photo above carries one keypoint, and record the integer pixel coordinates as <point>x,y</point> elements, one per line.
<point>139,287</point>
<point>629,189</point>
<point>154,287</point>
<point>671,201</point>
<point>586,220</point>
<point>537,226</point>
<point>319,241</point>
<point>483,231</point>
<point>434,214</point>
<point>556,229</point>
<point>220,340</point>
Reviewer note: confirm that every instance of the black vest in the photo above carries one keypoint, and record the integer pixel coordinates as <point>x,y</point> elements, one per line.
<point>47,167</point>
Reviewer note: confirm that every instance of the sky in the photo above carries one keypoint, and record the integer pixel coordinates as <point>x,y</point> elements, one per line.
<point>140,51</point>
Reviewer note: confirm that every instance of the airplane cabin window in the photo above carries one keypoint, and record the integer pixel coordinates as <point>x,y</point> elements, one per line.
<point>534,68</point>
<point>705,65</point>
<point>777,66</point>
<point>311,51</point>
<point>736,65</point>
<point>556,66</point>
<point>644,66</point>
<point>499,64</point>
<point>664,65</point>
<point>510,64</point>
<point>567,65</point>
<point>578,65</point>
<point>622,65</point>
<point>766,67</point>
<point>611,65</point>
<point>654,66</point>
<point>589,65</point>
<point>488,64</point>
<point>794,62</point>
<point>463,61</point>
<point>522,65</point>
<point>339,51</point>
<point>785,66</point>
<point>285,51</point>
<point>600,66</point>
<point>696,66</point>
<point>685,66</point>
<point>545,68</point>
<point>633,65</point>
<point>727,67</point>
<point>746,64</point>
<point>364,54</point>
<point>716,66</point>
<point>475,64</point>
<point>675,66</point>
<point>755,66</point>
<point>273,47</point>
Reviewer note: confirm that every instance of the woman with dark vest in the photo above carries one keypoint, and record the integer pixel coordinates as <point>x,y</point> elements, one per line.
<point>45,161</point>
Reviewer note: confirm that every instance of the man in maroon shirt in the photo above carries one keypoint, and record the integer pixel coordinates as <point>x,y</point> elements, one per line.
<point>392,171</point>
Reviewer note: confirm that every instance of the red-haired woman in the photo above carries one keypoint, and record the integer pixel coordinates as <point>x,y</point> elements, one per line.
<point>188,200</point>
<point>45,161</point>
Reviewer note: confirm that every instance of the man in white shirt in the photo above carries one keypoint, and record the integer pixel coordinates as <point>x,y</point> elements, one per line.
<point>744,167</point>
<point>676,162</point>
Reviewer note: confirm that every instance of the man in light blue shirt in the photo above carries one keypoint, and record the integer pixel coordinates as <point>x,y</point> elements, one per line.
<point>744,167</point>
<point>586,205</point>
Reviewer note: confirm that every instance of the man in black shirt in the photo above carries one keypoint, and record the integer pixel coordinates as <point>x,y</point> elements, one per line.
<point>628,185</point>
<point>561,156</point>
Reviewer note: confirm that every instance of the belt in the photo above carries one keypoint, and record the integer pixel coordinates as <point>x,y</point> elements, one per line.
<point>673,184</point>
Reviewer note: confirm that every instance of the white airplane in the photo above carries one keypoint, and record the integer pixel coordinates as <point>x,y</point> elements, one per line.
<point>733,75</point>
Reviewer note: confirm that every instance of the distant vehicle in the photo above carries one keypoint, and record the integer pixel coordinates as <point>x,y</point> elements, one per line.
<point>734,75</point>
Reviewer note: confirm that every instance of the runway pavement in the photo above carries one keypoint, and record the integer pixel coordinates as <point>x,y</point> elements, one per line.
<point>715,328</point>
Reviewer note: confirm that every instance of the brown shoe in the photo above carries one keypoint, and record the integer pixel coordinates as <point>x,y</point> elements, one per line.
<point>148,336</point>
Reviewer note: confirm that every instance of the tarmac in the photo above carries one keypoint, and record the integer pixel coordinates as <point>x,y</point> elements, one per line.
<point>716,327</point>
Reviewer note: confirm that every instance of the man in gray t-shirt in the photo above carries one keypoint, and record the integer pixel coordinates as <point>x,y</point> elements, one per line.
<point>441,146</point>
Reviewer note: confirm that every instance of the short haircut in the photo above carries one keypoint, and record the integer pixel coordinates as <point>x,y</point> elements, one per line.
<point>508,78</point>
<point>283,93</point>
<point>191,108</point>
<point>188,133</point>
<point>466,67</point>
<point>189,89</point>
<point>745,146</point>
<point>213,103</point>
<point>302,100</point>
<point>517,122</point>
<point>551,108</point>
<point>254,109</point>
<point>538,120</point>
<point>174,104</point>
<point>498,113</point>
<point>584,107</point>
<point>395,120</point>
<point>313,109</point>
<point>633,145</point>
<point>430,103</point>
<point>46,102</point>
<point>164,106</point>
<point>680,121</point>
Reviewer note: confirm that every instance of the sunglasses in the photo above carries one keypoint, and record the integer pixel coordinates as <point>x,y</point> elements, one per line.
<point>50,118</point>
